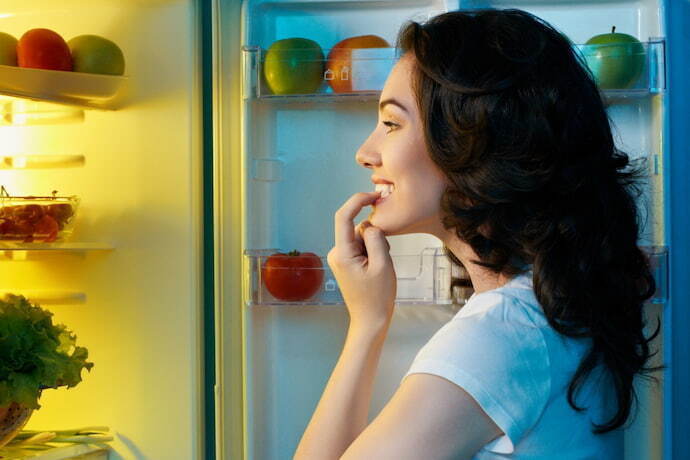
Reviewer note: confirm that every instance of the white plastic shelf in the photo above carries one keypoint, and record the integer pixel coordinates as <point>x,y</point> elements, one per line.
<point>74,88</point>
<point>370,68</point>
<point>422,279</point>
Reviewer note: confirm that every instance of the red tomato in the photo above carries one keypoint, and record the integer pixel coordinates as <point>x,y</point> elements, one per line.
<point>293,276</point>
<point>43,49</point>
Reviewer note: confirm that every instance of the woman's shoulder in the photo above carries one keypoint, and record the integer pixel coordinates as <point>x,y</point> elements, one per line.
<point>515,302</point>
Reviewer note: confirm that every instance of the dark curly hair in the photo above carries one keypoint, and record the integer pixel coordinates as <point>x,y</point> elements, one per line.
<point>514,119</point>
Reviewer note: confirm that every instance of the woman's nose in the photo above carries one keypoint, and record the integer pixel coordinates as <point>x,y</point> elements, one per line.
<point>367,156</point>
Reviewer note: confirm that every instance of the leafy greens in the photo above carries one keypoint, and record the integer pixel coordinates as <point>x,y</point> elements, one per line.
<point>35,354</point>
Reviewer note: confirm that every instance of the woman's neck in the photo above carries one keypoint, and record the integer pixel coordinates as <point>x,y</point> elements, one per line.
<point>482,278</point>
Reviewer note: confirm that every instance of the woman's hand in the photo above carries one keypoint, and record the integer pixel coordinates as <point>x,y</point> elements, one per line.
<point>363,266</point>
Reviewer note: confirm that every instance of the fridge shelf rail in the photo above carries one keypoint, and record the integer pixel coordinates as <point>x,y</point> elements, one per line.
<point>72,88</point>
<point>422,279</point>
<point>10,250</point>
<point>48,297</point>
<point>41,161</point>
<point>621,70</point>
<point>17,111</point>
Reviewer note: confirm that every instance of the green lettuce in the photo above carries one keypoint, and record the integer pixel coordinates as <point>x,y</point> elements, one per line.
<point>35,354</point>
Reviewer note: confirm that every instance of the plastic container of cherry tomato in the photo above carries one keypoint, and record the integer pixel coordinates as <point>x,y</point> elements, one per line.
<point>39,219</point>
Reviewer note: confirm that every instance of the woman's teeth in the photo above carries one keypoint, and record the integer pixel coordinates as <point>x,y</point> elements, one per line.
<point>385,189</point>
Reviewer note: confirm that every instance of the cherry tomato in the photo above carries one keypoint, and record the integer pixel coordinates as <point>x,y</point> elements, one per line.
<point>47,227</point>
<point>293,276</point>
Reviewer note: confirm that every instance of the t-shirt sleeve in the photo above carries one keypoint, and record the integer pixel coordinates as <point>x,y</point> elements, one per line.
<point>498,355</point>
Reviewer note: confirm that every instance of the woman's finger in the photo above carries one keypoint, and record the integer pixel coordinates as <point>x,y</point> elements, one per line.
<point>344,218</point>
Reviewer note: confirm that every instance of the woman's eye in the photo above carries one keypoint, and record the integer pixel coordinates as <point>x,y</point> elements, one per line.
<point>390,125</point>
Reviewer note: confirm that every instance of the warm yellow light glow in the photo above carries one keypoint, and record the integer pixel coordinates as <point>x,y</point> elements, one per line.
<point>18,162</point>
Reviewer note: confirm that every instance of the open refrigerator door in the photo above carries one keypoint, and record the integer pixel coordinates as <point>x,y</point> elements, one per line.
<point>286,164</point>
<point>124,273</point>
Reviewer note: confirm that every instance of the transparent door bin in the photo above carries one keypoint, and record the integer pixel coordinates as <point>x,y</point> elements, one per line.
<point>622,70</point>
<point>658,260</point>
<point>75,88</point>
<point>422,279</point>
<point>362,78</point>
<point>626,69</point>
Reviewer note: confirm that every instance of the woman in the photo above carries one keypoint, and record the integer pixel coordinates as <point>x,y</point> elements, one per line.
<point>492,136</point>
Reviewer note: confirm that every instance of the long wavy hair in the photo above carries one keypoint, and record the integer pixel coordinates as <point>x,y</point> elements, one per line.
<point>514,119</point>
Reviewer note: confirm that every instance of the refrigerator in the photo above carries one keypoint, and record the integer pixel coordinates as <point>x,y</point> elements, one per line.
<point>190,172</point>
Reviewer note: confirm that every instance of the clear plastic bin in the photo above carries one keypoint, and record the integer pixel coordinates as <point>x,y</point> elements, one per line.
<point>362,79</point>
<point>623,71</point>
<point>422,279</point>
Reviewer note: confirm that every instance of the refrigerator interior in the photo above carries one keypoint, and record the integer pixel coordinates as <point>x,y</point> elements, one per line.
<point>291,159</point>
<point>128,281</point>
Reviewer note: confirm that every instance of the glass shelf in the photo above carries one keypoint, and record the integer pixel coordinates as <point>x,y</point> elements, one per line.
<point>33,251</point>
<point>369,68</point>
<point>57,451</point>
<point>41,161</point>
<point>74,88</point>
<point>422,279</point>
<point>48,297</point>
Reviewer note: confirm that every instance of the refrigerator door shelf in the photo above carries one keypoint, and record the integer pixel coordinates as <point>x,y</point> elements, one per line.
<point>363,74</point>
<point>421,279</point>
<point>39,251</point>
<point>644,67</point>
<point>627,70</point>
<point>74,88</point>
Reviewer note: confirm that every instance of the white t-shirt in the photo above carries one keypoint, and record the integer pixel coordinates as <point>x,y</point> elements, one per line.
<point>501,350</point>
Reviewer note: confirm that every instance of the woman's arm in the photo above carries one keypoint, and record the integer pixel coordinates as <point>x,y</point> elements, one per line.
<point>342,412</point>
<point>363,267</point>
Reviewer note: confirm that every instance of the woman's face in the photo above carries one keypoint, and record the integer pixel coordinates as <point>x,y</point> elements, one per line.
<point>397,156</point>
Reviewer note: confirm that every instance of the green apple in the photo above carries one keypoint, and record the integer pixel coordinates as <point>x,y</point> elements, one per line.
<point>95,54</point>
<point>294,66</point>
<point>616,60</point>
<point>8,49</point>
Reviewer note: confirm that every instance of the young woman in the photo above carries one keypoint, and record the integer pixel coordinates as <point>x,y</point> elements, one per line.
<point>493,137</point>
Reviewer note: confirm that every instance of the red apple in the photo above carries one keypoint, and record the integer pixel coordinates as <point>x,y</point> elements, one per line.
<point>339,60</point>
<point>43,49</point>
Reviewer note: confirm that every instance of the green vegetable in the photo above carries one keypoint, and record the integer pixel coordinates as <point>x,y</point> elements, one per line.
<point>35,354</point>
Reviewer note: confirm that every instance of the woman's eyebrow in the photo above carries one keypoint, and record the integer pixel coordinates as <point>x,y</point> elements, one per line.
<point>392,101</point>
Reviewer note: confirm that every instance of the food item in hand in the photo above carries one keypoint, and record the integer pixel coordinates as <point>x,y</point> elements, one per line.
<point>95,54</point>
<point>293,276</point>
<point>43,49</point>
<point>8,49</point>
<point>339,61</point>
<point>294,66</point>
<point>616,60</point>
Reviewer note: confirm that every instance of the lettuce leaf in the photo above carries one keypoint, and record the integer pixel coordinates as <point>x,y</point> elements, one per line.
<point>35,354</point>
